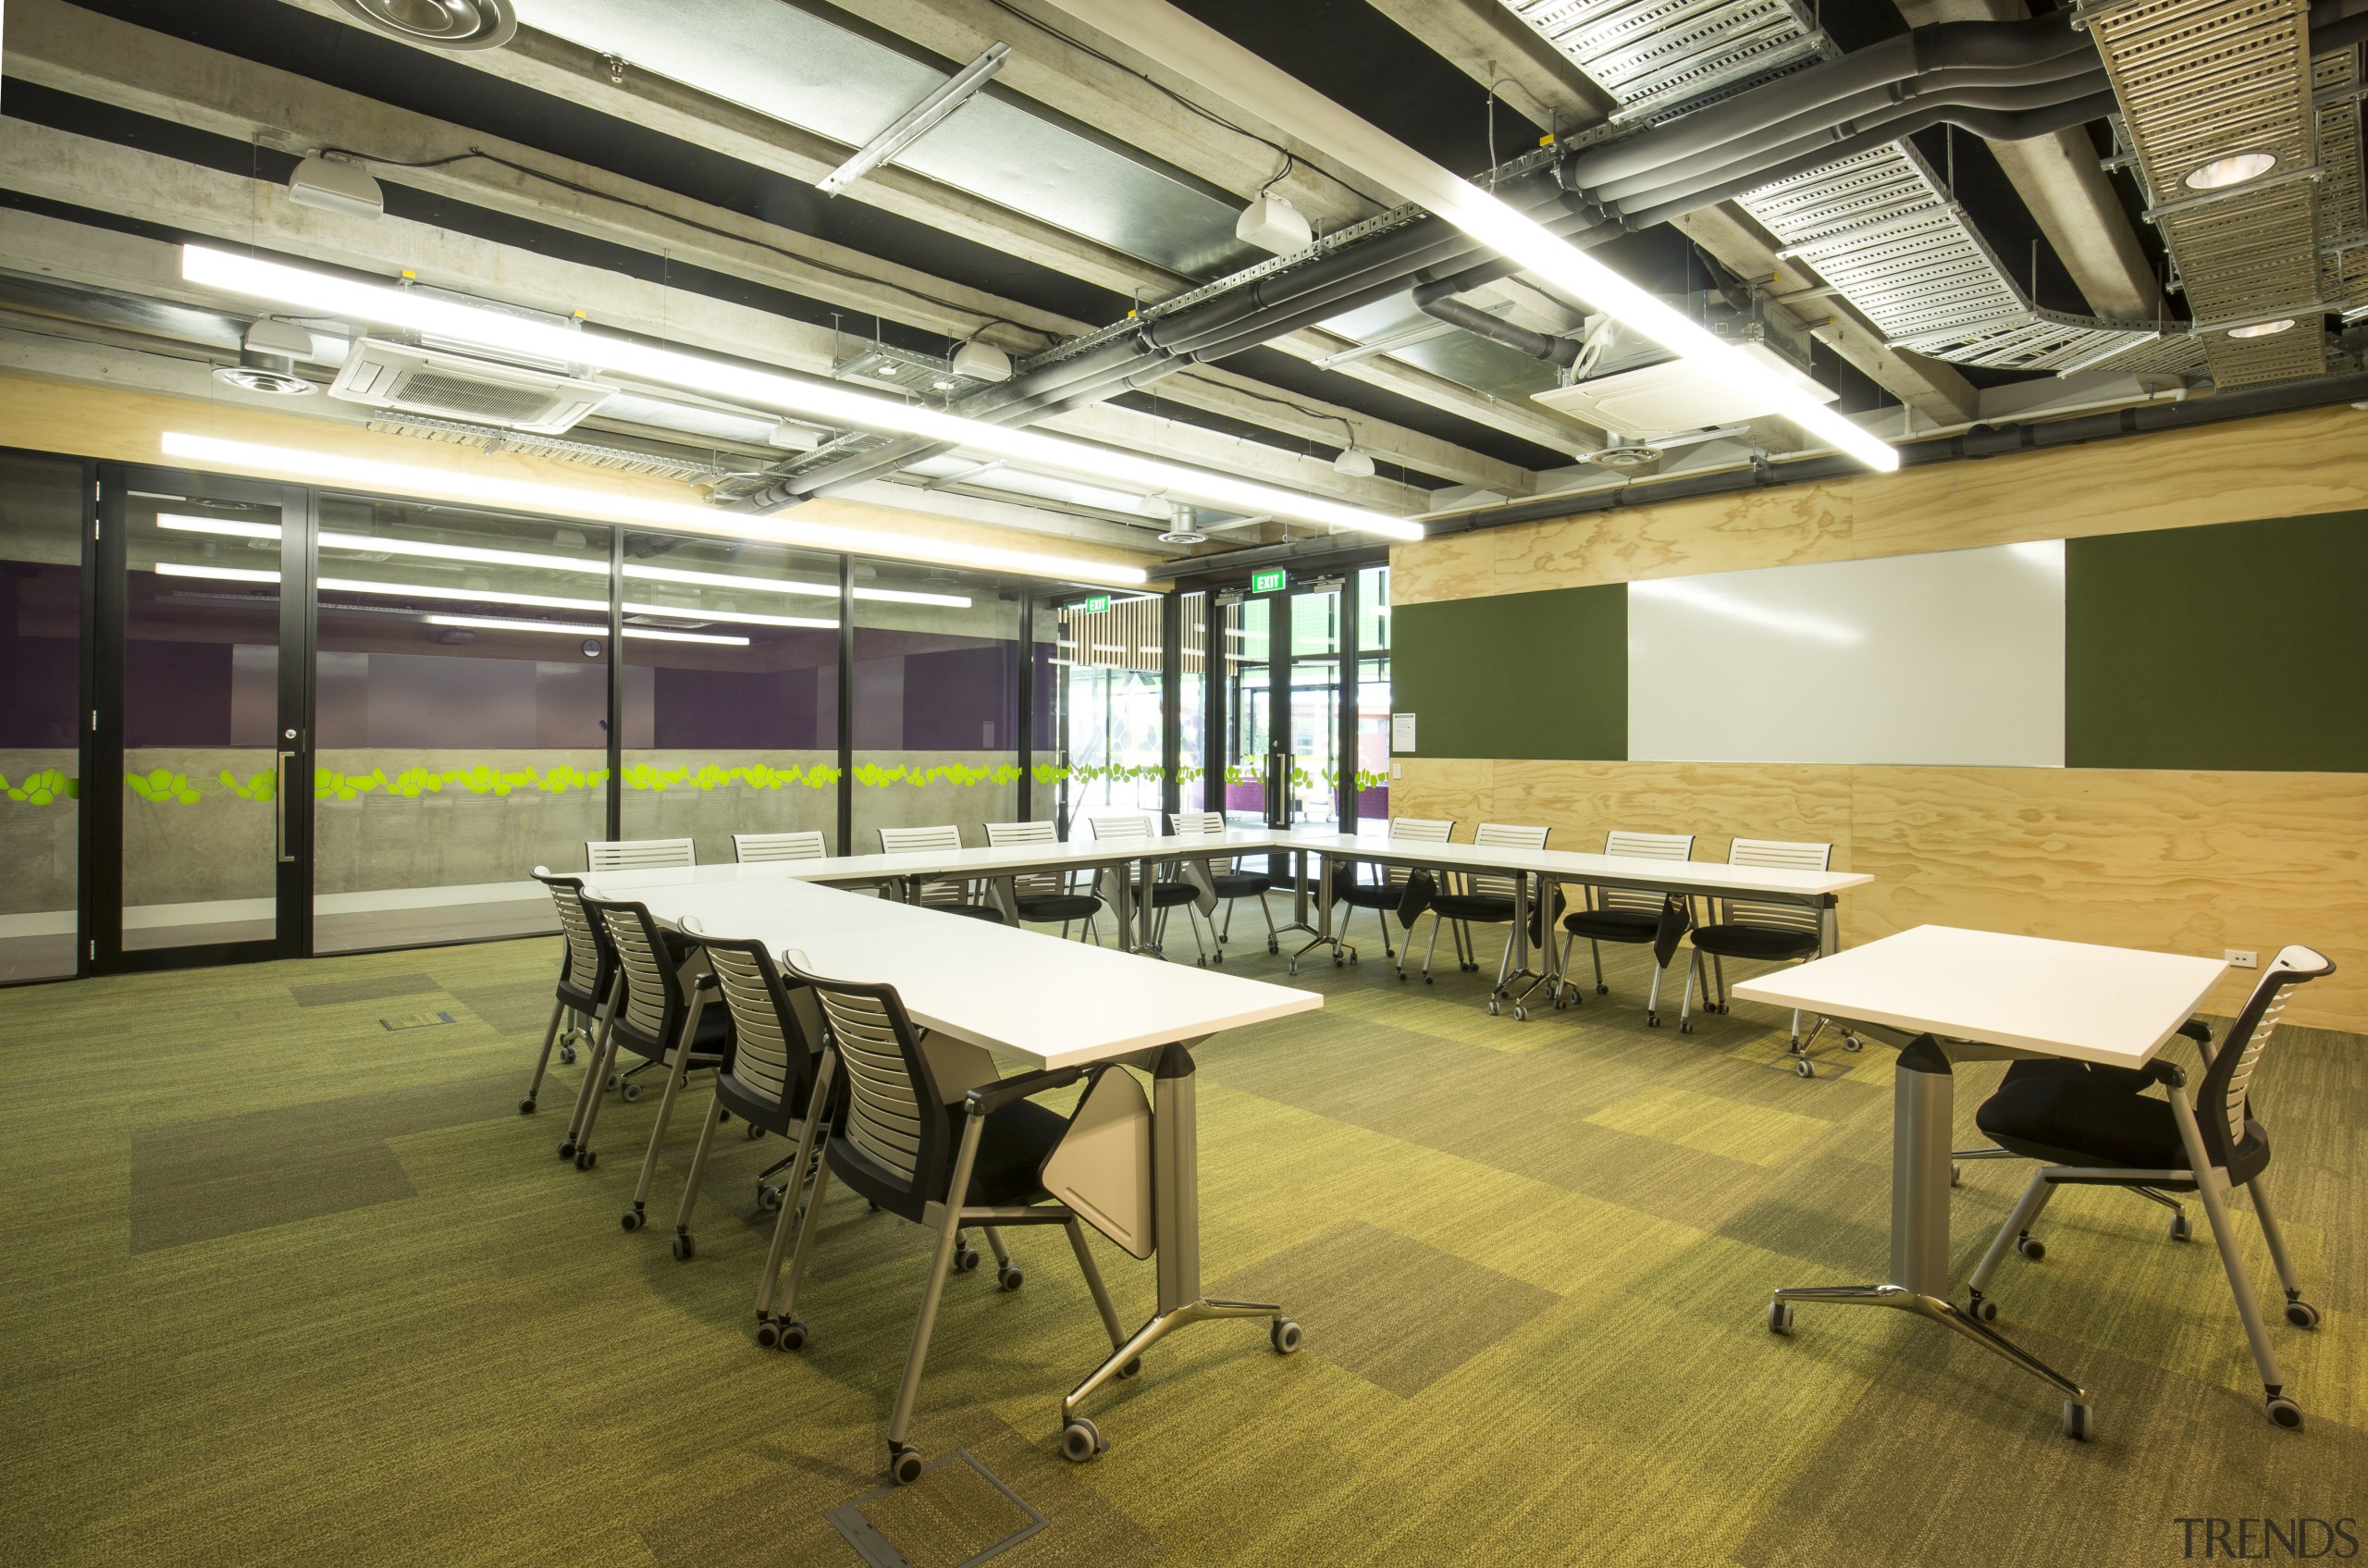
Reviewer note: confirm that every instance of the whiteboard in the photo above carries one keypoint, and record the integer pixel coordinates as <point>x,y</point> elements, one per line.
<point>1954,658</point>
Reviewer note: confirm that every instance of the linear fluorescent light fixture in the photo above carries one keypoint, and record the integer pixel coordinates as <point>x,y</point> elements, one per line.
<point>1162,32</point>
<point>646,634</point>
<point>826,402</point>
<point>404,478</point>
<point>916,121</point>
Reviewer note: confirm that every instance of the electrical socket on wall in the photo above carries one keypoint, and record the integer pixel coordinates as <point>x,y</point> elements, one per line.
<point>2242,958</point>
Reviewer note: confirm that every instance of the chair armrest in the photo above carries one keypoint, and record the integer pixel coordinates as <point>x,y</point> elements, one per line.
<point>990,1097</point>
<point>2170,1075</point>
<point>2197,1030</point>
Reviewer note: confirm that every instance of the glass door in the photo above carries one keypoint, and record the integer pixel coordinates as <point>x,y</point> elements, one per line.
<point>202,829</point>
<point>1314,675</point>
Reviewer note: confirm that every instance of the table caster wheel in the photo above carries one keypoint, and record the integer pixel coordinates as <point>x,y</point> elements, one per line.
<point>586,1158</point>
<point>567,1056</point>
<point>684,1248</point>
<point>1780,1317</point>
<point>1284,1336</point>
<point>1802,1066</point>
<point>965,1259</point>
<point>768,1334</point>
<point>631,1220</point>
<point>905,1466</point>
<point>527,1106</point>
<point>1009,1277</point>
<point>2030,1247</point>
<point>567,1150</point>
<point>1981,1308</point>
<point>2301,1314</point>
<point>2284,1413</point>
<point>1852,1043</point>
<point>2079,1424</point>
<point>631,1092</point>
<point>1132,1369</point>
<point>1081,1440</point>
<point>789,1334</point>
<point>2180,1229</point>
<point>768,1198</point>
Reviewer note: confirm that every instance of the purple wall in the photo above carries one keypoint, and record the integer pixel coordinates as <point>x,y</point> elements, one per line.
<point>915,693</point>
<point>40,678</point>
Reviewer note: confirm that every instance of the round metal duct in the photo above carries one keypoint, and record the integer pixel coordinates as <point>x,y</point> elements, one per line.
<point>439,24</point>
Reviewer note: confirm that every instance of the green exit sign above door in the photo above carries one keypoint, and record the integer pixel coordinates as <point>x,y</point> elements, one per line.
<point>1095,605</point>
<point>1268,582</point>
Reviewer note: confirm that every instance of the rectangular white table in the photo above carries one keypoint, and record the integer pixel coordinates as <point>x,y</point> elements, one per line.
<point>1052,1004</point>
<point>1947,994</point>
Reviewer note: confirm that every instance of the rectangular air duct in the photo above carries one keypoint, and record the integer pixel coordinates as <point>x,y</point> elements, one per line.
<point>411,380</point>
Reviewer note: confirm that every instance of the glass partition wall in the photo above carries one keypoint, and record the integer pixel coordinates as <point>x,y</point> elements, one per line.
<point>936,701</point>
<point>1111,701</point>
<point>42,510</point>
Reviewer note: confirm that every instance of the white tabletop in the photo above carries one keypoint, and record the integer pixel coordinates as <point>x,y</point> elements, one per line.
<point>1568,865</point>
<point>969,863</point>
<point>2115,1006</point>
<point>1053,1003</point>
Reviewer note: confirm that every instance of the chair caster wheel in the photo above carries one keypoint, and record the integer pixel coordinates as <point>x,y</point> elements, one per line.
<point>1603,990</point>
<point>768,1335</point>
<point>631,1220</point>
<point>586,1158</point>
<point>567,1056</point>
<point>2301,1314</point>
<point>789,1334</point>
<point>2081,1426</point>
<point>684,1248</point>
<point>2030,1247</point>
<point>1132,1369</point>
<point>1273,946</point>
<point>630,1092</point>
<point>1294,966</point>
<point>1081,1440</point>
<point>1652,1020</point>
<point>1802,1066</point>
<point>1284,1336</point>
<point>754,1132</point>
<point>1852,1043</point>
<point>2284,1413</point>
<point>1981,1308</point>
<point>612,1083</point>
<point>905,1466</point>
<point>768,1198</point>
<point>1493,1010</point>
<point>965,1259</point>
<point>527,1106</point>
<point>1218,960</point>
<point>1780,1317</point>
<point>2180,1229</point>
<point>1338,962</point>
<point>1009,1277</point>
<point>1685,1025</point>
<point>1521,1014</point>
<point>1428,980</point>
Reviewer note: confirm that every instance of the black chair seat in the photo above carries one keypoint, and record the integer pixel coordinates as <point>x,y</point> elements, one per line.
<point>2129,1080</point>
<point>1484,907</point>
<point>1060,906</point>
<point>1169,894</point>
<point>1754,942</point>
<point>1369,895</point>
<point>713,1039</point>
<point>1241,884</point>
<point>970,911</point>
<point>1612,925</point>
<point>1012,1147</point>
<point>757,1108</point>
<point>2071,1119</point>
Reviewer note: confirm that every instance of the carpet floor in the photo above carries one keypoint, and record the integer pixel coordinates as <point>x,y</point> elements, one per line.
<point>285,1278</point>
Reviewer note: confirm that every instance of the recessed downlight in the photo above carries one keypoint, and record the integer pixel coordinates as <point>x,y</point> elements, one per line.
<point>2263,328</point>
<point>2234,169</point>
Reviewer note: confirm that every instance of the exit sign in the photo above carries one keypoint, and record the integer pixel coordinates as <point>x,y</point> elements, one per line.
<point>1267,582</point>
<point>1095,605</point>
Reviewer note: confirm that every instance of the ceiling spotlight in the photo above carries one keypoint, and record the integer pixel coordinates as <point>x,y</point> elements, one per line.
<point>267,357</point>
<point>1272,224</point>
<point>2234,169</point>
<point>336,186</point>
<point>439,24</point>
<point>1617,453</point>
<point>2263,328</point>
<point>1356,464</point>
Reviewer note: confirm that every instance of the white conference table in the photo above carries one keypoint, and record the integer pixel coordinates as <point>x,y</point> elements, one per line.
<point>1050,1002</point>
<point>1947,994</point>
<point>1772,884</point>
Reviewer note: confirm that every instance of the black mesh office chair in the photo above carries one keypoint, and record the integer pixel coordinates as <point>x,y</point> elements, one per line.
<point>586,973</point>
<point>661,1017</point>
<point>2093,1131</point>
<point>974,1162</point>
<point>1229,881</point>
<point>1047,897</point>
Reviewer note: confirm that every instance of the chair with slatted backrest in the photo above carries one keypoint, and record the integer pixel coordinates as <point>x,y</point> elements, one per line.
<point>899,1143</point>
<point>751,848</point>
<point>1362,885</point>
<point>1169,889</point>
<point>1479,898</point>
<point>953,895</point>
<point>1630,916</point>
<point>1745,929</point>
<point>639,854</point>
<point>586,973</point>
<point>776,1036</point>
<point>1046,897</point>
<point>2097,1131</point>
<point>662,1016</point>
<point>1228,880</point>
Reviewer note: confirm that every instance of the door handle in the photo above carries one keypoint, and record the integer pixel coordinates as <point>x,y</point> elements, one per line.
<point>279,809</point>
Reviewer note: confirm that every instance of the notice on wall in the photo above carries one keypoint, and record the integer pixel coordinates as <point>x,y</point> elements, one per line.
<point>1401,732</point>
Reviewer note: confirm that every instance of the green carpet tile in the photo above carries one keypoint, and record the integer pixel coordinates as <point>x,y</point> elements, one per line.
<point>288,1280</point>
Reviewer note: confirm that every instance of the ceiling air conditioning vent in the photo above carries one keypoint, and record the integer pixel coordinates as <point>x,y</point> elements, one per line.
<point>409,380</point>
<point>1675,395</point>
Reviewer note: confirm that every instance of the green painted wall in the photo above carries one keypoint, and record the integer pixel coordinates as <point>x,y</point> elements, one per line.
<point>2239,646</point>
<point>1516,675</point>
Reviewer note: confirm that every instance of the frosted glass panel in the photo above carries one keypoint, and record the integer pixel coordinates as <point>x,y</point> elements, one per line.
<point>1953,658</point>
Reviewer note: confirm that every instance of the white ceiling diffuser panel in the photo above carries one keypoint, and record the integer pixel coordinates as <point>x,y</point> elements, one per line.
<point>1952,657</point>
